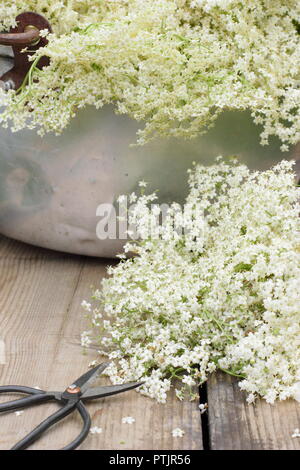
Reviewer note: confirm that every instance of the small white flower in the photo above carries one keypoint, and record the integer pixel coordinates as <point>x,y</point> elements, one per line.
<point>132,198</point>
<point>128,420</point>
<point>85,339</point>
<point>44,32</point>
<point>93,364</point>
<point>177,432</point>
<point>129,232</point>
<point>179,394</point>
<point>86,305</point>
<point>142,184</point>
<point>203,408</point>
<point>96,430</point>
<point>188,380</point>
<point>121,198</point>
<point>296,433</point>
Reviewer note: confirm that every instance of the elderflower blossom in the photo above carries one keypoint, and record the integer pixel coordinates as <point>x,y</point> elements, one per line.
<point>96,430</point>
<point>222,295</point>
<point>128,420</point>
<point>86,305</point>
<point>177,432</point>
<point>173,64</point>
<point>203,408</point>
<point>296,433</point>
<point>86,339</point>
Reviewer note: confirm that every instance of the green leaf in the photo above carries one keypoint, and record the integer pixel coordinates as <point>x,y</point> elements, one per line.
<point>242,267</point>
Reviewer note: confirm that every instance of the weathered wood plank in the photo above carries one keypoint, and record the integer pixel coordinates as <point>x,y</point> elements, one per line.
<point>34,299</point>
<point>13,249</point>
<point>41,321</point>
<point>235,425</point>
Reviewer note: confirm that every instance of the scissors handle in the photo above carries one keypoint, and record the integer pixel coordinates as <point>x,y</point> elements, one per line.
<point>18,389</point>
<point>25,402</point>
<point>85,430</point>
<point>44,426</point>
<point>36,397</point>
<point>55,418</point>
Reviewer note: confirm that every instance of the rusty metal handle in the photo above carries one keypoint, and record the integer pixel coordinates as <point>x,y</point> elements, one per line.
<point>26,33</point>
<point>30,36</point>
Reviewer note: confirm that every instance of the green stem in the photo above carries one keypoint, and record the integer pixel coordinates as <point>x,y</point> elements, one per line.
<point>28,80</point>
<point>240,376</point>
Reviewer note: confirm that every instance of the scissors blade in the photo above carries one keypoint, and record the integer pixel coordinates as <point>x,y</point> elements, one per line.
<point>106,391</point>
<point>89,377</point>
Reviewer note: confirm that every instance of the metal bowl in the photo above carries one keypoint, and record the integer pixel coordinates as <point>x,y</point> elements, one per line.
<point>50,187</point>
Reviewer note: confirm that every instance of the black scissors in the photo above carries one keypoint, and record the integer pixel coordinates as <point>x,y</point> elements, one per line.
<point>71,399</point>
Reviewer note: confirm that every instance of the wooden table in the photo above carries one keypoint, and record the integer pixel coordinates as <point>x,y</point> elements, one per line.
<point>41,321</point>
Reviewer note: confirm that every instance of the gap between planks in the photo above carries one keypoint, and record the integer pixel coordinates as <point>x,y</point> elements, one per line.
<point>235,425</point>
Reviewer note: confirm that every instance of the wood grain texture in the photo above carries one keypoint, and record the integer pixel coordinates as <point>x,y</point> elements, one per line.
<point>235,425</point>
<point>12,249</point>
<point>41,320</point>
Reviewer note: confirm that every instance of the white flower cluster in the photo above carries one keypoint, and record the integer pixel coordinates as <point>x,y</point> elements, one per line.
<point>173,64</point>
<point>223,295</point>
